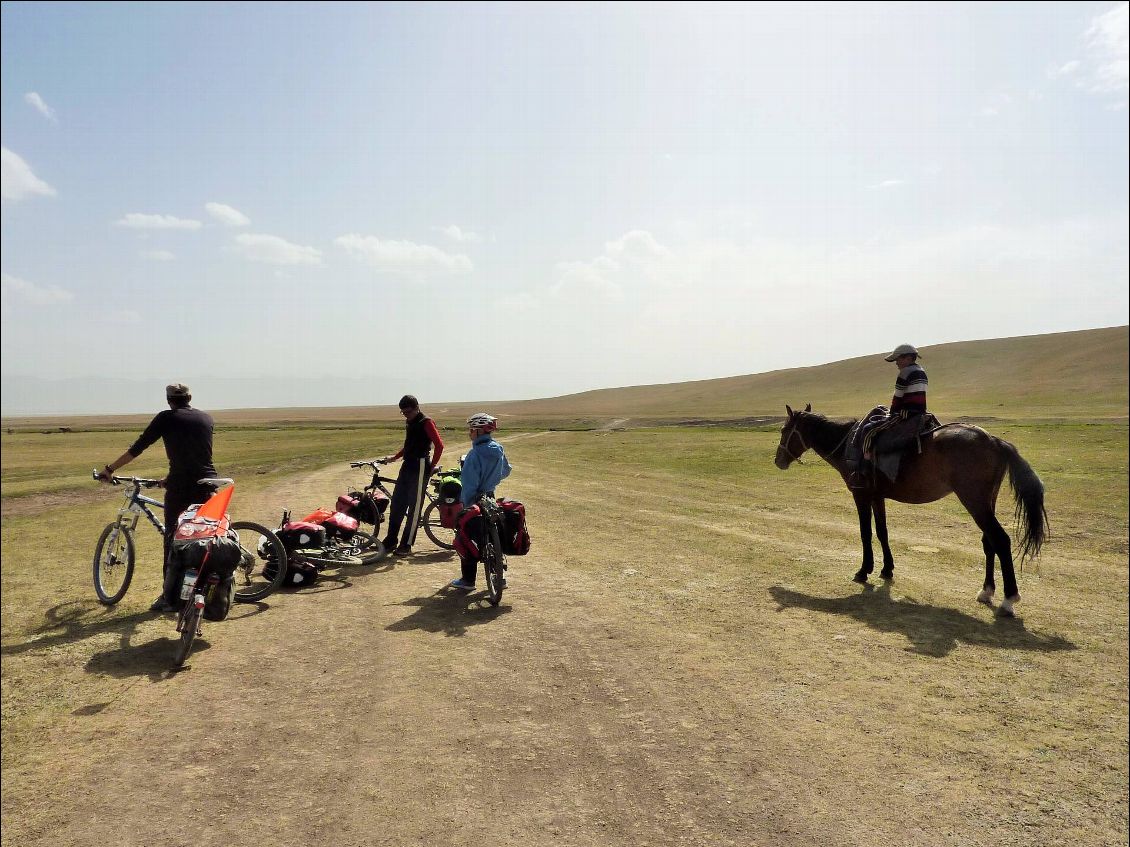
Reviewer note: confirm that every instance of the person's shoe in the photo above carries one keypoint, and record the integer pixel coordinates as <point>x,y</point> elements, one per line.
<point>162,605</point>
<point>462,584</point>
<point>389,543</point>
<point>402,550</point>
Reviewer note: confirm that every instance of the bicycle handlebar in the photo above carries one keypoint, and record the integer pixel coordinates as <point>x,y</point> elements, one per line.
<point>141,482</point>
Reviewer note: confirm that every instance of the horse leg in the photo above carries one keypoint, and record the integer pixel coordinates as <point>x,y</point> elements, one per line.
<point>990,586</point>
<point>863,507</point>
<point>879,506</point>
<point>994,538</point>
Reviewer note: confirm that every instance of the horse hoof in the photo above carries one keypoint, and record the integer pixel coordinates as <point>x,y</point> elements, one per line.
<point>986,597</point>
<point>889,576</point>
<point>860,577</point>
<point>1005,610</point>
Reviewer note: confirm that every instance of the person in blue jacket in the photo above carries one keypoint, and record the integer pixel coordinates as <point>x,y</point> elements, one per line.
<point>483,469</point>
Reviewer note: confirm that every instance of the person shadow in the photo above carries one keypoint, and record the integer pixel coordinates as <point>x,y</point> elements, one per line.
<point>74,621</point>
<point>931,630</point>
<point>449,611</point>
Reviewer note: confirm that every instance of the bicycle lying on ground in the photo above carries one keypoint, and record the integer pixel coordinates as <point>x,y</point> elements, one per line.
<point>114,555</point>
<point>431,519</point>
<point>325,539</point>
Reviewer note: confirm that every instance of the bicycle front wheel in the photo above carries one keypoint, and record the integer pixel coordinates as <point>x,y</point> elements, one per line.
<point>113,563</point>
<point>494,567</point>
<point>262,562</point>
<point>440,535</point>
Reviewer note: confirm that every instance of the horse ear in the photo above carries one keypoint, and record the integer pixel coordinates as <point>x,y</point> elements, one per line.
<point>789,409</point>
<point>808,407</point>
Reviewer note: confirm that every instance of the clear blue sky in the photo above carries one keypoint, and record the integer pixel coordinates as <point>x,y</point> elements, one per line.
<point>293,195</point>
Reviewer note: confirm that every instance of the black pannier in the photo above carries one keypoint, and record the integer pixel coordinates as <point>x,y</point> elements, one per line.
<point>302,534</point>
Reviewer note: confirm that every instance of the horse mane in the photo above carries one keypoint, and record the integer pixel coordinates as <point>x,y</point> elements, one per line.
<point>826,434</point>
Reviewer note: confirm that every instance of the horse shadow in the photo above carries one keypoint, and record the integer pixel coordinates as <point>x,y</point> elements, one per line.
<point>931,630</point>
<point>449,611</point>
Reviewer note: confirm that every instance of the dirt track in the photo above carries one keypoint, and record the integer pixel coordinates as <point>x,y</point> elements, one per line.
<point>647,697</point>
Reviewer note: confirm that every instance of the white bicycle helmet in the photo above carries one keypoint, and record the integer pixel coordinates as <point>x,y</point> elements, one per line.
<point>483,421</point>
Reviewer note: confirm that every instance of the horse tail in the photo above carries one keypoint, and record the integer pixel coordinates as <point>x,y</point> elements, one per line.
<point>1028,490</point>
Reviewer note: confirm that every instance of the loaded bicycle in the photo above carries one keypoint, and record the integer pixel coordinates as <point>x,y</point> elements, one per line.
<point>115,552</point>
<point>438,519</point>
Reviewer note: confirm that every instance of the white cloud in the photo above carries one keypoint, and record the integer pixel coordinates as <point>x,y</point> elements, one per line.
<point>39,295</point>
<point>227,215</point>
<point>634,256</point>
<point>637,244</point>
<point>17,180</point>
<point>388,256</point>
<point>460,235</point>
<point>891,183</point>
<point>37,102</point>
<point>158,255</point>
<point>1066,69</point>
<point>1108,50</point>
<point>135,220</point>
<point>273,250</point>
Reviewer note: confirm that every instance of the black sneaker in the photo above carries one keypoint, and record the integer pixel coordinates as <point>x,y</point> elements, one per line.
<point>389,543</point>
<point>162,605</point>
<point>402,550</point>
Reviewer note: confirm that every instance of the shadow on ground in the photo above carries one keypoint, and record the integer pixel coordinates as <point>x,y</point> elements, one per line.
<point>931,630</point>
<point>449,611</point>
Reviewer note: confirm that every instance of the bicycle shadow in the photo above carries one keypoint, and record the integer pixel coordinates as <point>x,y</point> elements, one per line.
<point>448,611</point>
<point>153,659</point>
<point>77,620</point>
<point>931,630</point>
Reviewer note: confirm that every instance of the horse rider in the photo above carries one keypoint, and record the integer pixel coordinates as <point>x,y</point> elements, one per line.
<point>909,400</point>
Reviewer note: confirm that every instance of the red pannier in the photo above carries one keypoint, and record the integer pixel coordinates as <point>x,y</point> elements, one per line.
<point>367,507</point>
<point>466,534</point>
<point>515,536</point>
<point>449,514</point>
<point>336,524</point>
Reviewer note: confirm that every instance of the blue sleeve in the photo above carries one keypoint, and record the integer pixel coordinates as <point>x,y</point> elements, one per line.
<point>470,479</point>
<point>505,465</point>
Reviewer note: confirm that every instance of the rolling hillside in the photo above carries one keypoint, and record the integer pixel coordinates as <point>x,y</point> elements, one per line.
<point>1076,375</point>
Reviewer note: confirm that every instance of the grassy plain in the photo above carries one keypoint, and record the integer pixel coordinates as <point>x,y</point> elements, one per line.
<point>684,660</point>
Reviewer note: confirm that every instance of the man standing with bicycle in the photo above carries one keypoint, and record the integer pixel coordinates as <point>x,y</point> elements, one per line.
<point>187,434</point>
<point>420,437</point>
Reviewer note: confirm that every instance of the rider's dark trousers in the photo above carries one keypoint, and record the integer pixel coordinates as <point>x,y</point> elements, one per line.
<point>177,499</point>
<point>407,501</point>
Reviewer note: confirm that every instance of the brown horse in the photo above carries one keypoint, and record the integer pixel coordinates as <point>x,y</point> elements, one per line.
<point>956,458</point>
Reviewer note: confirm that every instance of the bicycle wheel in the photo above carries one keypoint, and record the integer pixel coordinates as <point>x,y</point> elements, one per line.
<point>440,535</point>
<point>262,564</point>
<point>189,628</point>
<point>494,564</point>
<point>363,545</point>
<point>113,563</point>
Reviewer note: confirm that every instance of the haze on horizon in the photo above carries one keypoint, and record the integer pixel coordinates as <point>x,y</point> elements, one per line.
<point>334,204</point>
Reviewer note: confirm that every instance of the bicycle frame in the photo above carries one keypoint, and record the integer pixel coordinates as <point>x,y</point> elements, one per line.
<point>136,505</point>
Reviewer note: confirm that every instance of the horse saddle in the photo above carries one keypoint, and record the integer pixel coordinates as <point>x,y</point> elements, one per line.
<point>897,439</point>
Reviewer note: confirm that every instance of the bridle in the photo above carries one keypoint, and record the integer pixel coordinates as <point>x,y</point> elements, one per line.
<point>785,441</point>
<point>784,445</point>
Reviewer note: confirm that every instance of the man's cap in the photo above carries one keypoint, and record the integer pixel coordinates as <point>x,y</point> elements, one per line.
<point>903,350</point>
<point>177,389</point>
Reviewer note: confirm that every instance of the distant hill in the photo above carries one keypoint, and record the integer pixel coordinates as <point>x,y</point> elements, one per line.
<point>1073,375</point>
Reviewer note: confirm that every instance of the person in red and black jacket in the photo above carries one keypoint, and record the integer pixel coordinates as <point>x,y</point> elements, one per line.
<point>421,451</point>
